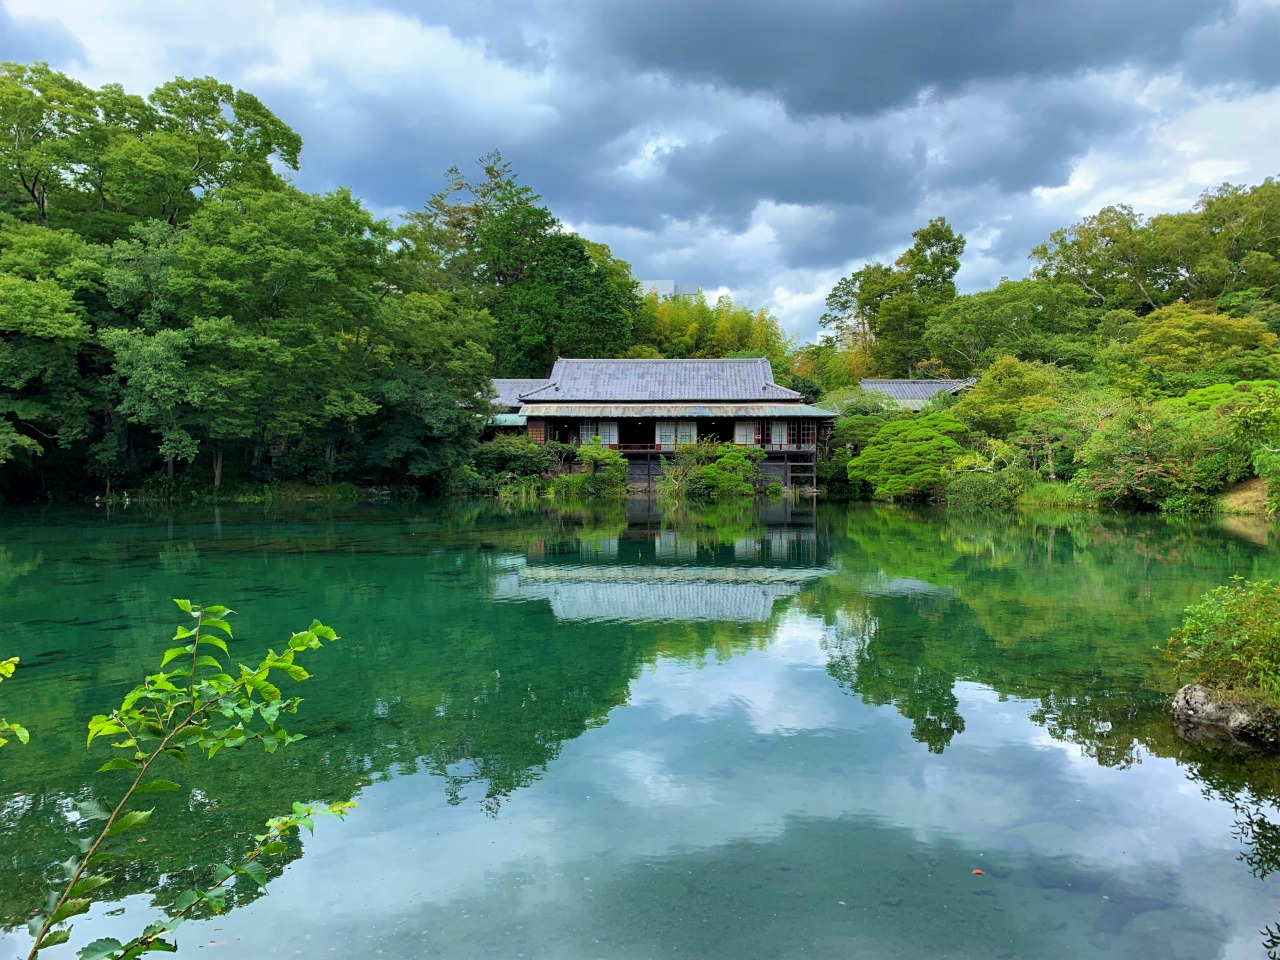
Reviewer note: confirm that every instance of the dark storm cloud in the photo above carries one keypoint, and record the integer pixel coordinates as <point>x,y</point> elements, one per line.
<point>1025,136</point>
<point>1245,49</point>
<point>822,61</point>
<point>861,58</point>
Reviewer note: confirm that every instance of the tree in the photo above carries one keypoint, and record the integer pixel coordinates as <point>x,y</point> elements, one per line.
<point>1009,390</point>
<point>106,157</point>
<point>431,392</point>
<point>1029,319</point>
<point>45,117</point>
<point>559,301</point>
<point>157,389</point>
<point>1180,347</point>
<point>287,294</point>
<point>891,307</point>
<point>1109,255</point>
<point>548,291</point>
<point>41,331</point>
<point>905,458</point>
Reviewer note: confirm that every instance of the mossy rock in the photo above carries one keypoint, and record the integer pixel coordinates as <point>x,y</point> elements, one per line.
<point>1220,717</point>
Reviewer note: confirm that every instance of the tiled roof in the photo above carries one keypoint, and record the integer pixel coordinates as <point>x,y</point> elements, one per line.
<point>659,381</point>
<point>509,391</point>
<point>915,389</point>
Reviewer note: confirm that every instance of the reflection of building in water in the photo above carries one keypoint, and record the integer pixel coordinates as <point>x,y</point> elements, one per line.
<point>662,575</point>
<point>636,593</point>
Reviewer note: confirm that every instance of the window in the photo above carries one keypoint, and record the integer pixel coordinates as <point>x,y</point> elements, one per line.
<point>665,433</point>
<point>537,430</point>
<point>744,433</point>
<point>778,433</point>
<point>586,430</point>
<point>686,432</point>
<point>808,432</point>
<point>607,431</point>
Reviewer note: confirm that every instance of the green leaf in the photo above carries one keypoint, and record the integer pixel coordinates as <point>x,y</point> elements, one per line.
<point>256,872</point>
<point>71,907</point>
<point>173,653</point>
<point>217,624</point>
<point>186,899</point>
<point>215,641</point>
<point>208,661</point>
<point>100,949</point>
<point>118,763</point>
<point>87,884</point>
<point>182,633</point>
<point>157,786</point>
<point>134,818</point>
<point>214,610</point>
<point>184,605</point>
<point>320,630</point>
<point>53,938</point>
<point>222,872</point>
<point>90,810</point>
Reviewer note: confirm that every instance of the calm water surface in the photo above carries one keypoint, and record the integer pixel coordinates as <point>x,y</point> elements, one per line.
<point>793,733</point>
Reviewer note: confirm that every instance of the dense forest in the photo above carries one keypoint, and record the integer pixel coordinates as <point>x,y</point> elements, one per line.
<point>175,315</point>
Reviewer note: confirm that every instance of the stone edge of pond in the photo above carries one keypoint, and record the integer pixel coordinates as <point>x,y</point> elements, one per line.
<point>1206,716</point>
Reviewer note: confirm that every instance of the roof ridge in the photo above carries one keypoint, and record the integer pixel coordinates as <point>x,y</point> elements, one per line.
<point>660,360</point>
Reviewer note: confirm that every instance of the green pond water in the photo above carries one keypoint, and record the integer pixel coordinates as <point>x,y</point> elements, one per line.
<point>792,732</point>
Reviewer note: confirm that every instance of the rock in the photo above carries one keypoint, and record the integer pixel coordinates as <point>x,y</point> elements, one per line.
<point>1201,715</point>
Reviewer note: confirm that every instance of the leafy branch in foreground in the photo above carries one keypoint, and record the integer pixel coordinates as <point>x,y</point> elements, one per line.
<point>200,708</point>
<point>6,728</point>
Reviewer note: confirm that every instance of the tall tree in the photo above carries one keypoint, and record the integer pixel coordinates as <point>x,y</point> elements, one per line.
<point>891,306</point>
<point>548,291</point>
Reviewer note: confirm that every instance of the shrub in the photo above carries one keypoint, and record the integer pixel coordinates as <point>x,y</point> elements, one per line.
<point>1189,504</point>
<point>1074,494</point>
<point>983,491</point>
<point>512,453</point>
<point>1230,638</point>
<point>604,474</point>
<point>707,473</point>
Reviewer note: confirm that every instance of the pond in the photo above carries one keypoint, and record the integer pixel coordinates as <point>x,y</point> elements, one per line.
<point>789,732</point>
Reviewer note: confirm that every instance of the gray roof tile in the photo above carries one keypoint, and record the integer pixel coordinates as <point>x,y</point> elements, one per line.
<point>659,381</point>
<point>915,389</point>
<point>509,390</point>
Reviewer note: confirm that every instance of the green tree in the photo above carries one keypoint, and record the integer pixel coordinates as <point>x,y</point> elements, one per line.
<point>431,390</point>
<point>549,291</point>
<point>906,458</point>
<point>1028,319</point>
<point>1009,390</point>
<point>891,307</point>
<point>156,386</point>
<point>1180,347</point>
<point>41,332</point>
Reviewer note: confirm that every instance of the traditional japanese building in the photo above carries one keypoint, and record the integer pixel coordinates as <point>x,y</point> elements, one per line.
<point>646,408</point>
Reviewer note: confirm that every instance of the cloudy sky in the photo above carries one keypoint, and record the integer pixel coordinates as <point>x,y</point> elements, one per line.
<point>763,149</point>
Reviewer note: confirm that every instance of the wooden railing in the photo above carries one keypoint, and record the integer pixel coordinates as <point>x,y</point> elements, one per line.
<point>671,447</point>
